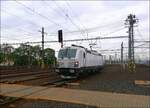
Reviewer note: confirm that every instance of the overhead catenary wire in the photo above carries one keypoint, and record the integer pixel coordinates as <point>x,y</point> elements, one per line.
<point>11,37</point>
<point>39,14</point>
<point>81,39</point>
<point>116,30</point>
<point>20,18</point>
<point>75,15</point>
<point>20,29</point>
<point>120,49</point>
<point>47,4</point>
<point>141,36</point>
<point>143,40</point>
<point>83,26</point>
<point>89,30</point>
<point>34,10</point>
<point>21,37</point>
<point>92,39</point>
<point>68,16</point>
<point>58,12</point>
<point>70,19</point>
<point>4,37</point>
<point>73,12</point>
<point>73,40</point>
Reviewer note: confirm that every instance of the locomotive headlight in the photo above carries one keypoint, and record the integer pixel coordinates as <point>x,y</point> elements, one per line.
<point>76,64</point>
<point>57,70</point>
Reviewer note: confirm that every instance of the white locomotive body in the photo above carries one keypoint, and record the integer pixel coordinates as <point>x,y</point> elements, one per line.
<point>76,60</point>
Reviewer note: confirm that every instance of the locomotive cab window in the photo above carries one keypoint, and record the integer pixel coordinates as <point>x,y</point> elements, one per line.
<point>71,53</point>
<point>68,53</point>
<point>61,54</point>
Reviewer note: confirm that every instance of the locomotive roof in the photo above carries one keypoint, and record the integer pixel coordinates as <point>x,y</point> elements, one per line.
<point>88,51</point>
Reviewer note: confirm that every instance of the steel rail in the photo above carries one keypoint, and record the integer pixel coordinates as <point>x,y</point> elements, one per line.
<point>22,74</point>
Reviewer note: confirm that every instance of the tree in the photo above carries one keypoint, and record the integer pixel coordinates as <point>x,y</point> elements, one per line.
<point>49,56</point>
<point>27,55</point>
<point>1,57</point>
<point>22,55</point>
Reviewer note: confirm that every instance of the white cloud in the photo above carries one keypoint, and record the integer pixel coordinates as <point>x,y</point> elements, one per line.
<point>100,17</point>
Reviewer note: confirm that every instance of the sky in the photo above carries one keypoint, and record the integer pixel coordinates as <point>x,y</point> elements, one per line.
<point>21,21</point>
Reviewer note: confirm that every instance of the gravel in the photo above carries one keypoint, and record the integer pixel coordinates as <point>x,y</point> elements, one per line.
<point>112,78</point>
<point>127,87</point>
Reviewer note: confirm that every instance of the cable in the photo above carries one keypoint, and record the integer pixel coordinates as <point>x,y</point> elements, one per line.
<point>68,17</point>
<point>79,19</point>
<point>114,31</point>
<point>4,37</point>
<point>20,29</point>
<point>58,12</point>
<point>19,17</point>
<point>75,15</point>
<point>73,40</point>
<point>141,36</point>
<point>89,30</point>
<point>39,14</point>
<point>72,22</point>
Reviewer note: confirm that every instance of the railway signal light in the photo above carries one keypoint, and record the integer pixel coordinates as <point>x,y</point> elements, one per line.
<point>60,36</point>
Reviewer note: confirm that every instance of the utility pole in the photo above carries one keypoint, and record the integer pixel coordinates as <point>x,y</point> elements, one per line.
<point>110,59</point>
<point>130,21</point>
<point>42,53</point>
<point>42,43</point>
<point>115,57</point>
<point>122,52</point>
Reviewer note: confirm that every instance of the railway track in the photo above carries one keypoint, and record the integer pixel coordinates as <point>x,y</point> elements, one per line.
<point>21,74</point>
<point>54,83</point>
<point>41,78</point>
<point>39,81</point>
<point>27,78</point>
<point>18,71</point>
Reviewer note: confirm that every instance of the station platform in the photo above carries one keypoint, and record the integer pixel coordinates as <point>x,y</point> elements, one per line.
<point>92,98</point>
